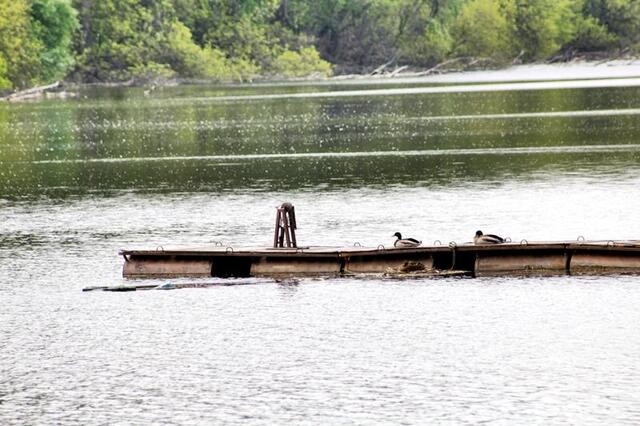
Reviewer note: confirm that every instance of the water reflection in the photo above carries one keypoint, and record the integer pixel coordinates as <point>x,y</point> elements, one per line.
<point>131,143</point>
<point>140,128</point>
<point>326,172</point>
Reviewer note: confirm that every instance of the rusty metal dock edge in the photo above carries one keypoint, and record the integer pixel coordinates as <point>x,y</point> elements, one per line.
<point>569,257</point>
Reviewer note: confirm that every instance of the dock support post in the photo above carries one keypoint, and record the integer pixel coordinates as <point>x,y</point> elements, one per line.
<point>567,261</point>
<point>285,226</point>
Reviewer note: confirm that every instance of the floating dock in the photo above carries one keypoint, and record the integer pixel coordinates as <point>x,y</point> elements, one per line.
<point>524,258</point>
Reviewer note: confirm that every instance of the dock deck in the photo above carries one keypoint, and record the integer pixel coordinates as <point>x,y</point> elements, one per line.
<point>551,257</point>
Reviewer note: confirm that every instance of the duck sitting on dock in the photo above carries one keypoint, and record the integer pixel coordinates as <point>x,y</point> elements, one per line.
<point>481,238</point>
<point>405,242</point>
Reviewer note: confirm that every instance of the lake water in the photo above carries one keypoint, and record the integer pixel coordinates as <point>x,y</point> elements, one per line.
<point>120,168</point>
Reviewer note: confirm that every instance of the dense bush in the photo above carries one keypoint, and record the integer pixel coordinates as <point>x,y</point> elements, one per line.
<point>481,29</point>
<point>54,23</point>
<point>4,81</point>
<point>19,49</point>
<point>300,64</point>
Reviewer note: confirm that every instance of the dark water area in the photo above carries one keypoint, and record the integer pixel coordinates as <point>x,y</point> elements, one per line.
<point>147,143</point>
<point>120,168</point>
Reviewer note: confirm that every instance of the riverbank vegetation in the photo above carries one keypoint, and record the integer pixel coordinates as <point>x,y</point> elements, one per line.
<point>238,40</point>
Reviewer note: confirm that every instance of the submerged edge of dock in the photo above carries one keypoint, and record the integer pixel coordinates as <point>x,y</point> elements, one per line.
<point>545,258</point>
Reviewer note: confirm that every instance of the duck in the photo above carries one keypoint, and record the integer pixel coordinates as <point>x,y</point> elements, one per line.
<point>481,238</point>
<point>405,242</point>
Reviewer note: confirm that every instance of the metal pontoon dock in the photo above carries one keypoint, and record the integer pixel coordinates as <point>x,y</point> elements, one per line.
<point>564,257</point>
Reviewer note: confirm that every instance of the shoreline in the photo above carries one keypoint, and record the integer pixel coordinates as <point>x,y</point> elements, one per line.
<point>578,69</point>
<point>540,71</point>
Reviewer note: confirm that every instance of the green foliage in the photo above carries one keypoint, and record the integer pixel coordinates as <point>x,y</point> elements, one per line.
<point>106,40</point>
<point>620,17</point>
<point>4,82</point>
<point>352,32</point>
<point>301,64</point>
<point>420,39</point>
<point>19,49</point>
<point>243,39</point>
<point>110,43</point>
<point>591,35</point>
<point>540,27</point>
<point>54,23</point>
<point>481,29</point>
<point>431,47</point>
<point>190,60</point>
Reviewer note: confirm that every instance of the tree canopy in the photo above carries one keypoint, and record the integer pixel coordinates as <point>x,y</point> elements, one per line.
<point>237,40</point>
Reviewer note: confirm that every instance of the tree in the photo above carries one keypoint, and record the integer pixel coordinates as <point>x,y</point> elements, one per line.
<point>190,60</point>
<point>621,18</point>
<point>4,81</point>
<point>249,36</point>
<point>592,35</point>
<point>123,38</point>
<point>540,27</point>
<point>19,49</point>
<point>54,23</point>
<point>481,29</point>
<point>112,38</point>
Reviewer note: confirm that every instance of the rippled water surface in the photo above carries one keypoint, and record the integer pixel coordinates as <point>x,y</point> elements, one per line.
<point>119,168</point>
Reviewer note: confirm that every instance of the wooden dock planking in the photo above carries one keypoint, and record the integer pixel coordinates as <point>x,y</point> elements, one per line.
<point>550,257</point>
